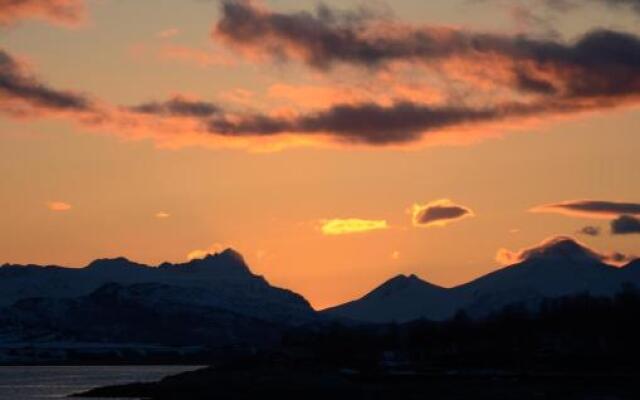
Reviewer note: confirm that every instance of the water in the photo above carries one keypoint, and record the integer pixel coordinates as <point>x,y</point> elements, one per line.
<point>40,383</point>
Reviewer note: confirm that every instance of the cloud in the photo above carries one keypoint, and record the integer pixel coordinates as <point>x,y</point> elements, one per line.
<point>367,123</point>
<point>590,208</point>
<point>333,227</point>
<point>589,230</point>
<point>534,77</point>
<point>438,213</point>
<point>178,107</point>
<point>162,215</point>
<point>180,120</point>
<point>564,247</point>
<point>58,206</point>
<point>60,12</point>
<point>549,79</point>
<point>601,63</point>
<point>317,38</point>
<point>625,224</point>
<point>21,92</point>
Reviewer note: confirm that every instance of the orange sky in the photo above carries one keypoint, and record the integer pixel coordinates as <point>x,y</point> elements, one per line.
<point>327,205</point>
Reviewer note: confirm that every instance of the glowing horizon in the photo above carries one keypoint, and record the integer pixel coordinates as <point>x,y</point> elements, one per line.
<point>332,145</point>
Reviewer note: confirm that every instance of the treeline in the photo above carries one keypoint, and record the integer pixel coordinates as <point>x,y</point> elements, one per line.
<point>581,333</point>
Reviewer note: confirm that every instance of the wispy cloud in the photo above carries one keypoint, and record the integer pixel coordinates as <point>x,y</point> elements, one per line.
<point>60,12</point>
<point>547,79</point>
<point>600,65</point>
<point>23,93</point>
<point>365,123</point>
<point>590,208</point>
<point>333,227</point>
<point>178,106</point>
<point>58,206</point>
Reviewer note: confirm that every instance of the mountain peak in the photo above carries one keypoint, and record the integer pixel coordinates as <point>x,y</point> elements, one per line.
<point>401,283</point>
<point>228,262</point>
<point>562,248</point>
<point>402,279</point>
<point>228,254</point>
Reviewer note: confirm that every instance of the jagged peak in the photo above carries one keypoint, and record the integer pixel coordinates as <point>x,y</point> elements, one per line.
<point>227,262</point>
<point>229,254</point>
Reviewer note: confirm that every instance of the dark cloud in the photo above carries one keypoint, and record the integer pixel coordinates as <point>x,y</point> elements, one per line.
<point>591,208</point>
<point>17,85</point>
<point>365,123</point>
<point>323,37</point>
<point>590,230</point>
<point>370,123</point>
<point>625,224</point>
<point>66,12</point>
<point>439,213</point>
<point>178,107</point>
<point>601,64</point>
<point>321,40</point>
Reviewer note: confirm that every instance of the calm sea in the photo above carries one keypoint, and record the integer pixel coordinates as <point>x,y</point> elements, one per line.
<point>31,383</point>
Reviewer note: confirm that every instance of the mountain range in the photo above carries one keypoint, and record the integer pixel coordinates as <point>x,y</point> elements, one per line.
<point>560,268</point>
<point>212,302</point>
<point>217,301</point>
<point>219,281</point>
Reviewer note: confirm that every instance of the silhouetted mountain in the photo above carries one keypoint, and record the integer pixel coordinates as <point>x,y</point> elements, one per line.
<point>631,271</point>
<point>225,278</point>
<point>559,268</point>
<point>400,298</point>
<point>215,301</point>
<point>143,313</point>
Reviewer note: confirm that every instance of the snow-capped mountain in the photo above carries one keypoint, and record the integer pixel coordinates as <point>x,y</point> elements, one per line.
<point>218,299</point>
<point>142,313</point>
<point>561,268</point>
<point>221,280</point>
<point>217,296</point>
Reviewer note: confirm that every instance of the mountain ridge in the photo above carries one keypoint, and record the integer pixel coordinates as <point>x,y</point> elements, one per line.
<point>557,268</point>
<point>225,277</point>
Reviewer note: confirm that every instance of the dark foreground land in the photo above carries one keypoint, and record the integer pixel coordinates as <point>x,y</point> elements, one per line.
<point>582,348</point>
<point>287,383</point>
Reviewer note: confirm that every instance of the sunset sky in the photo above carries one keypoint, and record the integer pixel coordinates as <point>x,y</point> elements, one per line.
<point>333,144</point>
